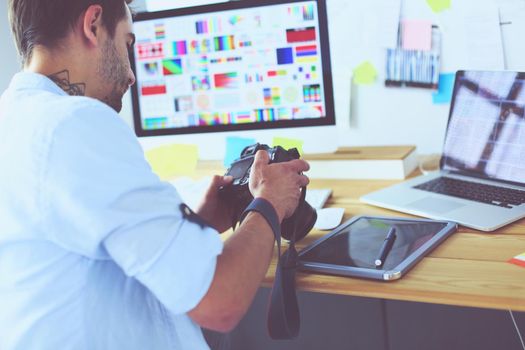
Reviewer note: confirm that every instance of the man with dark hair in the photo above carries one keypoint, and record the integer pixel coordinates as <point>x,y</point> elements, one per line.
<point>95,251</point>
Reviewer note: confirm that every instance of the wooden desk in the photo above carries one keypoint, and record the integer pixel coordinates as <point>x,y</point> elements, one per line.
<point>468,269</point>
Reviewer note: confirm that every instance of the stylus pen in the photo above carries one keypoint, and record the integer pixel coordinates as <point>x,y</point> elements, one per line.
<point>388,243</point>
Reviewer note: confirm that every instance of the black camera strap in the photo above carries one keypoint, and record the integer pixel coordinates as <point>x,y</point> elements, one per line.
<point>283,312</point>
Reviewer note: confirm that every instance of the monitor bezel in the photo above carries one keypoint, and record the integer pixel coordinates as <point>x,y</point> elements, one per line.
<point>327,120</point>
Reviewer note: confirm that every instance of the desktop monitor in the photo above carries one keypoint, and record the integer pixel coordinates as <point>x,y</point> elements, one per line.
<point>247,68</point>
<point>161,5</point>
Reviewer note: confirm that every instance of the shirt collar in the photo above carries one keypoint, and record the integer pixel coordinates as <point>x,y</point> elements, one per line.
<point>30,80</point>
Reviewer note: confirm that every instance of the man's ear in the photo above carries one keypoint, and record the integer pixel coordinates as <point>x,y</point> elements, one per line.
<point>92,24</point>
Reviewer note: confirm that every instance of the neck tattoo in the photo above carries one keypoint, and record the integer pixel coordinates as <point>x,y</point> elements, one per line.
<point>62,80</point>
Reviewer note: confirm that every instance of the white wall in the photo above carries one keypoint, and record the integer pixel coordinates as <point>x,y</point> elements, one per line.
<point>381,115</point>
<point>9,63</point>
<point>378,115</point>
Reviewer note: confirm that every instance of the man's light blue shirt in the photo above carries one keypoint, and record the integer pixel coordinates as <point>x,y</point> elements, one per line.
<point>94,251</point>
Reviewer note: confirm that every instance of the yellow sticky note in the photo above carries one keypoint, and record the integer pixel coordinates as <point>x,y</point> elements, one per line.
<point>287,143</point>
<point>171,160</point>
<point>439,5</point>
<point>365,73</point>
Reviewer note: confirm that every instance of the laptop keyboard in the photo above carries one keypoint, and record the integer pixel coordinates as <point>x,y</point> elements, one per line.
<point>500,196</point>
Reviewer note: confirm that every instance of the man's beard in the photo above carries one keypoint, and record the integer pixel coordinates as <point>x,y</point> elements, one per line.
<point>113,72</point>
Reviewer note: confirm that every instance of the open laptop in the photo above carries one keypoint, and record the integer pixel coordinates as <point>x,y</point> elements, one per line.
<point>481,182</point>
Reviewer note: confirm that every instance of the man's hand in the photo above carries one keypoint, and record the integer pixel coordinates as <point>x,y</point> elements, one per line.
<point>248,252</point>
<point>216,212</point>
<point>278,183</point>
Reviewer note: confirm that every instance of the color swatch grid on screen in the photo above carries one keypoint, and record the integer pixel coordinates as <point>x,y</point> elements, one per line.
<point>180,48</point>
<point>151,68</point>
<point>153,89</point>
<point>172,66</point>
<point>312,93</point>
<point>253,78</point>
<point>202,64</point>
<point>285,55</point>
<point>199,83</point>
<point>244,43</point>
<point>285,113</point>
<point>155,123</point>
<point>225,60</point>
<point>272,96</point>
<point>307,112</point>
<point>304,51</point>
<point>243,117</point>
<point>154,50</point>
<point>299,35</point>
<point>160,31</point>
<point>183,103</point>
<point>265,115</point>
<point>234,20</point>
<point>273,68</point>
<point>208,26</point>
<point>277,73</point>
<point>305,12</point>
<point>207,118</point>
<point>223,43</point>
<point>226,81</point>
<point>200,46</point>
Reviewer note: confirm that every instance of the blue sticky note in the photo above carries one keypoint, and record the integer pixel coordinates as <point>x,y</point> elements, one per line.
<point>234,147</point>
<point>445,87</point>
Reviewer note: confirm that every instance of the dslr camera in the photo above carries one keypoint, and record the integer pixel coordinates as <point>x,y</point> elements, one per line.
<point>238,193</point>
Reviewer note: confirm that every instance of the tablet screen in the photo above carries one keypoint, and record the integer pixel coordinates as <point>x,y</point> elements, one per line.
<point>358,244</point>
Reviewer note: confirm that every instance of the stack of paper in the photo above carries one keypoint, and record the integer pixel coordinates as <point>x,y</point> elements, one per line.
<point>386,162</point>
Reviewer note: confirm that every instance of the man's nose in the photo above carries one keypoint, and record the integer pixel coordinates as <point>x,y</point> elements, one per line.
<point>131,79</point>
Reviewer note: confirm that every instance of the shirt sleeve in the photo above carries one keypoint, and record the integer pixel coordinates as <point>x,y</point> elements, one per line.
<point>101,200</point>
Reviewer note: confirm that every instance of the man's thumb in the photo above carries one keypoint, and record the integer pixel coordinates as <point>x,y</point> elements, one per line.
<point>261,157</point>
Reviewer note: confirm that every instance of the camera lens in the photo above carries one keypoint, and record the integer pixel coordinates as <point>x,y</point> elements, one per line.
<point>302,222</point>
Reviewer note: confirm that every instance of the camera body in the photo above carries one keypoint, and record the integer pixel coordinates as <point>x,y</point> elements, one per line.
<point>238,193</point>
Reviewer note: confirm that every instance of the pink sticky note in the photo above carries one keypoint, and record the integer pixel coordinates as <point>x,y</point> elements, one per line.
<point>417,35</point>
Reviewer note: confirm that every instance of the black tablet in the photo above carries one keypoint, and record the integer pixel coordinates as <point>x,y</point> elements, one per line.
<point>353,248</point>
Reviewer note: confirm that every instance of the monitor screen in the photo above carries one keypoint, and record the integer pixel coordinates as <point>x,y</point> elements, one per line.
<point>160,5</point>
<point>486,129</point>
<point>232,66</point>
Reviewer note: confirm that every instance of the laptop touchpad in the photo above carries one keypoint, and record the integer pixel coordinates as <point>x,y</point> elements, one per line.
<point>436,205</point>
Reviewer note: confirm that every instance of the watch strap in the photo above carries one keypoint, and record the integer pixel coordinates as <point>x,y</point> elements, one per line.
<point>267,211</point>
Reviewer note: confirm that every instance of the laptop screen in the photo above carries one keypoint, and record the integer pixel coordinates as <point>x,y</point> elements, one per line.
<point>486,128</point>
